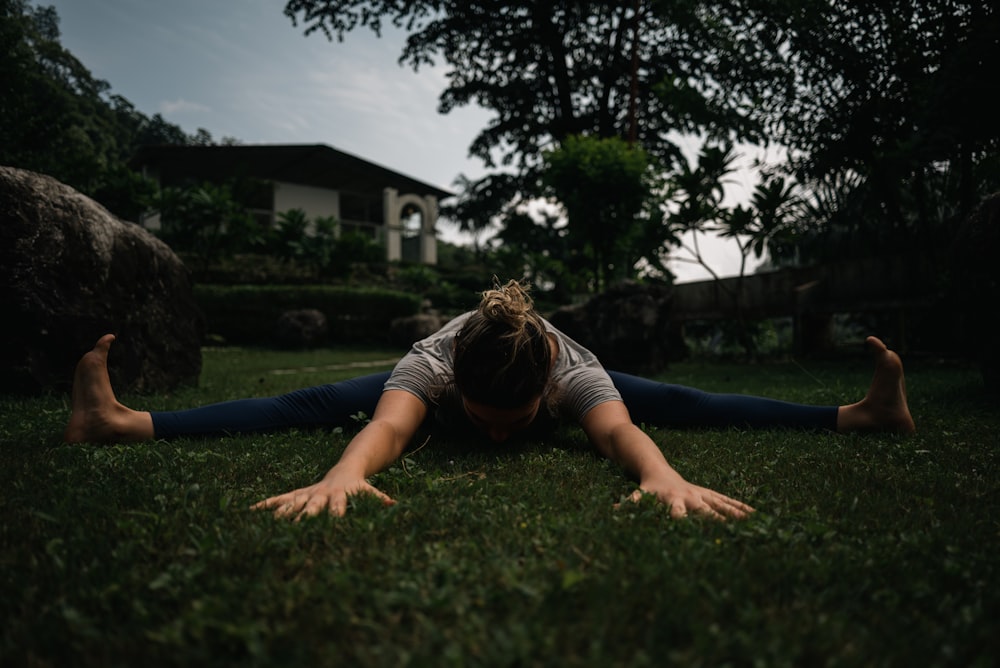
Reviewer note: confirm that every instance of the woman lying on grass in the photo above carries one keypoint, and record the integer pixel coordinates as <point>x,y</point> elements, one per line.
<point>499,370</point>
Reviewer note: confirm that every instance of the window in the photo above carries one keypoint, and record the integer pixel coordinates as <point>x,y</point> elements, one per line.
<point>360,208</point>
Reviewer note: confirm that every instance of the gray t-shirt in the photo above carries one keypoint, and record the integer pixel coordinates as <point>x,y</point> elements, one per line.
<point>579,382</point>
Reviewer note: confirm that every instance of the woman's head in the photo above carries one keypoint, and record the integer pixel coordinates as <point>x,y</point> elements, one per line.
<point>502,353</point>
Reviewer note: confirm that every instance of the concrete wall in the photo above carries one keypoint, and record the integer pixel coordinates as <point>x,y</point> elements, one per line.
<point>855,286</point>
<point>316,202</point>
<point>812,295</point>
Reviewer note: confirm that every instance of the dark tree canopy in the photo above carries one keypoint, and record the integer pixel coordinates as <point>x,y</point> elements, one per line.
<point>603,185</point>
<point>876,79</point>
<point>888,111</point>
<point>643,72</point>
<point>52,114</point>
<point>58,119</point>
<point>553,70</point>
<point>885,108</point>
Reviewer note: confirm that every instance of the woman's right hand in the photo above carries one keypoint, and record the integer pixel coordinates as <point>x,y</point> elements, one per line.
<point>328,495</point>
<point>380,442</point>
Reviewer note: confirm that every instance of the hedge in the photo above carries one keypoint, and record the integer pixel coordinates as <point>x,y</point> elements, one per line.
<point>246,314</point>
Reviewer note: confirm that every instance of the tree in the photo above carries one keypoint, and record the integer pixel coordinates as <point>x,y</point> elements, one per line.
<point>58,119</point>
<point>640,71</point>
<point>206,221</point>
<point>52,117</point>
<point>298,239</point>
<point>552,70</point>
<point>692,204</point>
<point>603,184</point>
<point>889,92</point>
<point>128,194</point>
<point>479,204</point>
<point>886,99</point>
<point>535,246</point>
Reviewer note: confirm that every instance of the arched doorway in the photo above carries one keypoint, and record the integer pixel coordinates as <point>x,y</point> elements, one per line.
<point>410,227</point>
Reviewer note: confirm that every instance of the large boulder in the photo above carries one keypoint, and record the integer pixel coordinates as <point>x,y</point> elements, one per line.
<point>975,291</point>
<point>301,328</point>
<point>71,272</point>
<point>407,330</point>
<point>626,326</point>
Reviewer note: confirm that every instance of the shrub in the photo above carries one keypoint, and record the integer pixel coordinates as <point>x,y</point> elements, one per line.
<point>246,314</point>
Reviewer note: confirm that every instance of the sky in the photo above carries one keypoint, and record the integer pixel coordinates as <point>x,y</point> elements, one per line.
<point>241,69</point>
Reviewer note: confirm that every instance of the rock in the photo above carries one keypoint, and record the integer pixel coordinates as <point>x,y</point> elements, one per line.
<point>71,272</point>
<point>627,326</point>
<point>301,328</point>
<point>976,286</point>
<point>408,330</point>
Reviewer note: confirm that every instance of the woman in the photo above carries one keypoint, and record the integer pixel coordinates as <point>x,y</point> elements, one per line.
<point>501,369</point>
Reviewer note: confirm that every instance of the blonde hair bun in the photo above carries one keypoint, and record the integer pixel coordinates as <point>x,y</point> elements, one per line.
<point>509,304</point>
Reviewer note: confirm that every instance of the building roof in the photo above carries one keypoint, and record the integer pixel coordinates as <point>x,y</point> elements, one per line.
<point>304,164</point>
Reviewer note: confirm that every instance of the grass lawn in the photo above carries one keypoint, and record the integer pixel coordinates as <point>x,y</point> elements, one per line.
<point>873,550</point>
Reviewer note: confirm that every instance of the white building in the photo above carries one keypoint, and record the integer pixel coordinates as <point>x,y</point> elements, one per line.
<point>320,180</point>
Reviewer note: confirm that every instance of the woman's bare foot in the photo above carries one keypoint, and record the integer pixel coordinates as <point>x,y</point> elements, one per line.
<point>97,416</point>
<point>884,408</point>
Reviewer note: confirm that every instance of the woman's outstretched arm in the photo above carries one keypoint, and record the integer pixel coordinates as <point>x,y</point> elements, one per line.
<point>397,417</point>
<point>612,432</point>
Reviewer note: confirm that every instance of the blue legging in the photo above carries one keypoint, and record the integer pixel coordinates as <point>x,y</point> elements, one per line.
<point>332,405</point>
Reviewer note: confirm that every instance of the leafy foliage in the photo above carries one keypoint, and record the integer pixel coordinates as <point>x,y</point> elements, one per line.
<point>550,72</point>
<point>883,99</point>
<point>205,221</point>
<point>53,117</point>
<point>58,119</point>
<point>878,105</point>
<point>602,183</point>
<point>316,245</point>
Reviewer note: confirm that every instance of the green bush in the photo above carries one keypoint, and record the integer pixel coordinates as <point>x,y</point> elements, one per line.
<point>246,314</point>
<point>250,269</point>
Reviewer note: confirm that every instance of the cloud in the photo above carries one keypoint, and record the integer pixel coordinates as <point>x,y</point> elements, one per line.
<point>182,106</point>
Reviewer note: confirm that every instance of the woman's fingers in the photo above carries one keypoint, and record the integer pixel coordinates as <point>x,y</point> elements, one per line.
<point>698,501</point>
<point>376,492</point>
<point>293,506</point>
<point>315,500</point>
<point>737,508</point>
<point>320,503</point>
<point>270,502</point>
<point>720,506</point>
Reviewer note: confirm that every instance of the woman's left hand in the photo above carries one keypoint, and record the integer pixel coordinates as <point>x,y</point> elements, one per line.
<point>684,498</point>
<point>613,433</point>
